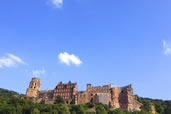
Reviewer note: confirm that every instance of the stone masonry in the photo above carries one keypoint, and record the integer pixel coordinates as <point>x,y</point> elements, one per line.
<point>115,97</point>
<point>34,88</point>
<point>67,91</point>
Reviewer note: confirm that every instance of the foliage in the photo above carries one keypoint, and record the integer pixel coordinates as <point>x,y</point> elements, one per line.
<point>59,100</point>
<point>7,93</point>
<point>100,109</point>
<point>161,106</point>
<point>19,105</point>
<point>78,109</point>
<point>72,102</point>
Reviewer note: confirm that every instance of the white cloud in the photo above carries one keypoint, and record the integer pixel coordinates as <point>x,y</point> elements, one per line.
<point>38,73</point>
<point>10,61</point>
<point>69,59</point>
<point>57,3</point>
<point>166,48</point>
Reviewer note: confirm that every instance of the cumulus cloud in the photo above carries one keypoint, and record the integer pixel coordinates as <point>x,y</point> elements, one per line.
<point>57,3</point>
<point>10,61</point>
<point>166,48</point>
<point>39,73</point>
<point>69,59</point>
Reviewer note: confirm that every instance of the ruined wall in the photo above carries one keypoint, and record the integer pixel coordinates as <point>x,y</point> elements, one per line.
<point>98,89</point>
<point>103,98</point>
<point>127,100</point>
<point>92,91</point>
<point>34,88</point>
<point>137,105</point>
<point>82,97</point>
<point>116,97</point>
<point>45,94</point>
<point>115,94</point>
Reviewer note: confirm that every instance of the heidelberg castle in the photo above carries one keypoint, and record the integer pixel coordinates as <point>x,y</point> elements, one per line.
<point>116,97</point>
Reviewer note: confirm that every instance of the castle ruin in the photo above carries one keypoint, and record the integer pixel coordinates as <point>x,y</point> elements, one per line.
<point>116,97</point>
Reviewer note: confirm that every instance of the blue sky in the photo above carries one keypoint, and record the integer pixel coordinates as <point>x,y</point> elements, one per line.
<point>87,41</point>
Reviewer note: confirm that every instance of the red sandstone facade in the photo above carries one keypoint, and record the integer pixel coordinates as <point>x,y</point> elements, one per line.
<point>116,97</point>
<point>67,91</point>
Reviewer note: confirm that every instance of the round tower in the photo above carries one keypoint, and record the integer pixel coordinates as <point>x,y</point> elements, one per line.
<point>34,88</point>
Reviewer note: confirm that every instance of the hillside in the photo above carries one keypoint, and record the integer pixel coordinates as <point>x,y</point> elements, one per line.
<point>161,106</point>
<point>4,93</point>
<point>11,103</point>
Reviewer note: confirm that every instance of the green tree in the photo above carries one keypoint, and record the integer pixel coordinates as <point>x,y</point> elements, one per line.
<point>53,112</point>
<point>59,100</point>
<point>72,102</point>
<point>159,108</point>
<point>147,105</point>
<point>116,111</point>
<point>63,109</point>
<point>90,105</point>
<point>78,109</point>
<point>168,110</point>
<point>35,111</point>
<point>100,109</point>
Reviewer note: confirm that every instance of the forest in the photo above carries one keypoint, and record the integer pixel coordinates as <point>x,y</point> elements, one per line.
<point>14,103</point>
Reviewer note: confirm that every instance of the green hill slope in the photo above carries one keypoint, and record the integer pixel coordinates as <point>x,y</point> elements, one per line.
<point>4,93</point>
<point>12,102</point>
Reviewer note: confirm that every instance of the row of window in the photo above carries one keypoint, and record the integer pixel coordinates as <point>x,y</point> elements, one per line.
<point>98,88</point>
<point>63,90</point>
<point>82,96</point>
<point>64,86</point>
<point>62,94</point>
<point>66,97</point>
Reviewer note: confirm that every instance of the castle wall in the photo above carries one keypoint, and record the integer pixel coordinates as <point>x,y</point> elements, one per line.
<point>103,98</point>
<point>98,89</point>
<point>82,97</point>
<point>116,97</point>
<point>115,93</point>
<point>48,94</point>
<point>31,93</point>
<point>67,91</point>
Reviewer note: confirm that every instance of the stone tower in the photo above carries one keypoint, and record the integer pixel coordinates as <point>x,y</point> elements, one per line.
<point>34,88</point>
